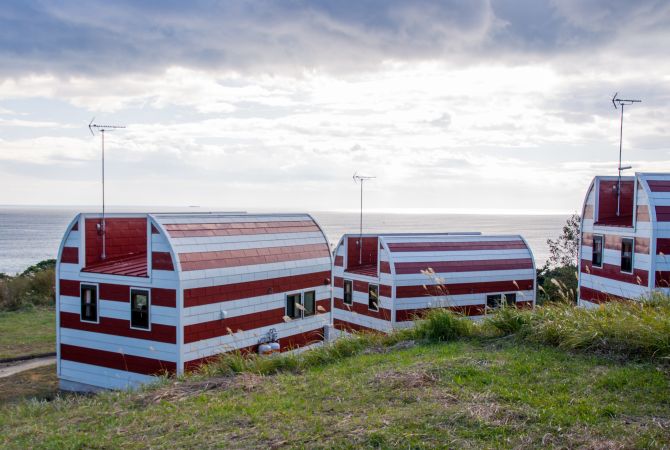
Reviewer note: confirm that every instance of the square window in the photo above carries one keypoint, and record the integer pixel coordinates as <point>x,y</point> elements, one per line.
<point>309,303</point>
<point>373,297</point>
<point>348,292</point>
<point>493,301</point>
<point>597,255</point>
<point>293,306</point>
<point>139,309</point>
<point>627,245</point>
<point>89,303</point>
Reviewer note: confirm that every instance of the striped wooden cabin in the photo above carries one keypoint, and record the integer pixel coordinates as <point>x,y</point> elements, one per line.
<point>625,255</point>
<point>384,281</point>
<point>177,289</point>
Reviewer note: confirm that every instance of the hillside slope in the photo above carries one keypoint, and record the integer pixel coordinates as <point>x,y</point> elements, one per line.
<point>471,393</point>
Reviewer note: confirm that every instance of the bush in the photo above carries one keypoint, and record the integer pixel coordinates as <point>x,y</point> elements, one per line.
<point>34,287</point>
<point>443,325</point>
<point>508,320</point>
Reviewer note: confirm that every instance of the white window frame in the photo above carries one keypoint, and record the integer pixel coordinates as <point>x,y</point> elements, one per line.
<point>632,255</point>
<point>302,297</point>
<point>352,292</point>
<point>97,302</point>
<point>130,305</point>
<point>378,299</point>
<point>602,250</point>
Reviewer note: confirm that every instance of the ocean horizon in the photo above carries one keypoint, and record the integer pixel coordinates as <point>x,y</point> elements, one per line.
<point>29,234</point>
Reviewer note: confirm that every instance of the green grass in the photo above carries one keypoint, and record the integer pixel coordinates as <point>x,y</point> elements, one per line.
<point>470,393</point>
<point>40,383</point>
<point>27,332</point>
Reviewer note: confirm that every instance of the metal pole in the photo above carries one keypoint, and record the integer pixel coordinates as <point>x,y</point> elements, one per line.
<point>618,190</point>
<point>360,237</point>
<point>104,254</point>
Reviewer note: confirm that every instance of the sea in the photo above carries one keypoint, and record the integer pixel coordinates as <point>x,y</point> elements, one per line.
<point>31,234</point>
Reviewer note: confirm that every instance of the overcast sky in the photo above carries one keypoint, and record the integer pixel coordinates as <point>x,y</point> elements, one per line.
<point>500,105</point>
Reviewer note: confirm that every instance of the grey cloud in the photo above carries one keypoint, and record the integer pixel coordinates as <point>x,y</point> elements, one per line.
<point>100,38</point>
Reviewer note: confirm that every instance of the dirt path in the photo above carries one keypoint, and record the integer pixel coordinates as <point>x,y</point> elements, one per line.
<point>11,369</point>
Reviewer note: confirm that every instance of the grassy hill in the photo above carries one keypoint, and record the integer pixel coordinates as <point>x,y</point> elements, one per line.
<point>523,379</point>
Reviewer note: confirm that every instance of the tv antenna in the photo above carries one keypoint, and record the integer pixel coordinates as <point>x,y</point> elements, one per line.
<point>622,102</point>
<point>361,179</point>
<point>102,128</point>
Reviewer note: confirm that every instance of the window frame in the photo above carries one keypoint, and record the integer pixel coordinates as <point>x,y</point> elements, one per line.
<point>632,255</point>
<point>148,292</point>
<point>502,296</point>
<point>304,311</point>
<point>97,302</point>
<point>300,311</point>
<point>351,293</point>
<point>602,250</point>
<point>370,286</point>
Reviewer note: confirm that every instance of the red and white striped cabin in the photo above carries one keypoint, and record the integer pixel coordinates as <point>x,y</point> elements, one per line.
<point>382,283</point>
<point>177,289</point>
<point>626,255</point>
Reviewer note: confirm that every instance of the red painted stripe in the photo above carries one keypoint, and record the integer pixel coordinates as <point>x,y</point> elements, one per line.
<point>662,279</point>
<point>362,286</point>
<point>286,343</point>
<point>464,266</point>
<point>227,292</point>
<point>70,255</point>
<point>119,327</point>
<point>338,282</point>
<point>352,327</point>
<point>111,360</point>
<point>463,288</point>
<point>216,328</point>
<point>361,308</point>
<point>612,272</point>
<point>384,267</point>
<point>663,246</point>
<point>114,292</point>
<point>659,185</point>
<point>247,257</point>
<point>164,297</point>
<point>594,296</point>
<point>456,246</point>
<point>70,288</point>
<point>663,213</point>
<point>239,228</point>
<point>339,261</point>
<point>161,261</point>
<point>75,227</point>
<point>154,230</point>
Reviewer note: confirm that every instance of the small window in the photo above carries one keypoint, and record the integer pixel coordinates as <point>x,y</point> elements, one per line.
<point>293,306</point>
<point>497,300</point>
<point>139,309</point>
<point>597,255</point>
<point>348,292</point>
<point>373,297</point>
<point>627,245</point>
<point>309,303</point>
<point>89,303</point>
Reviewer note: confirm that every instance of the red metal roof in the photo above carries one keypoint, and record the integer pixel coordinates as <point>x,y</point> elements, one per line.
<point>368,269</point>
<point>130,266</point>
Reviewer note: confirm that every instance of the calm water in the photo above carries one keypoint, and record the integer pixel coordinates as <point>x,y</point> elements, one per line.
<point>29,235</point>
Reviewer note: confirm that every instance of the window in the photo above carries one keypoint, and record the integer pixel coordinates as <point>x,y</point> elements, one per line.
<point>309,303</point>
<point>293,306</point>
<point>597,255</point>
<point>139,309</point>
<point>89,303</point>
<point>497,300</point>
<point>373,297</point>
<point>348,292</point>
<point>627,245</point>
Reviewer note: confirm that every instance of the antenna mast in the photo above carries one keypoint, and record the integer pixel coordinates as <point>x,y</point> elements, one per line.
<point>622,102</point>
<point>361,179</point>
<point>102,128</point>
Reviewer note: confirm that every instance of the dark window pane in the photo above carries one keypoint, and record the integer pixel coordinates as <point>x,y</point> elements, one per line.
<point>293,306</point>
<point>510,299</point>
<point>348,292</point>
<point>89,303</point>
<point>373,297</point>
<point>139,309</point>
<point>493,301</point>
<point>309,303</point>
<point>597,256</point>
<point>626,255</point>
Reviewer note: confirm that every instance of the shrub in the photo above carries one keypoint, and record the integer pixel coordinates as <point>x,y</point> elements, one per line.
<point>507,320</point>
<point>441,324</point>
<point>34,287</point>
